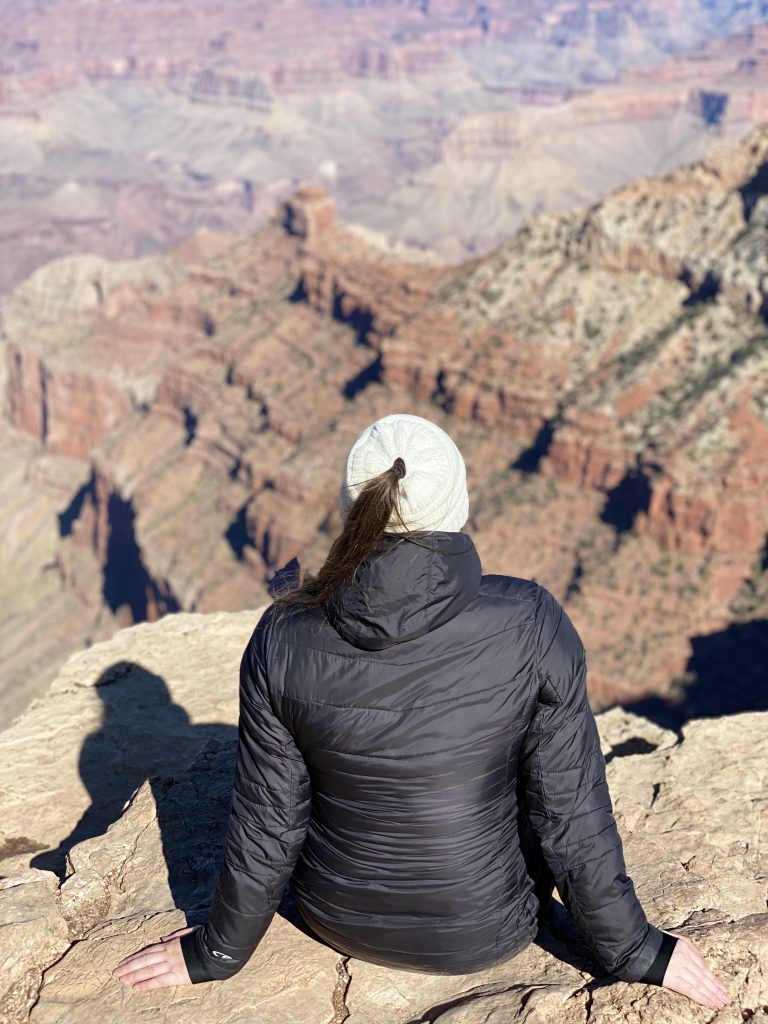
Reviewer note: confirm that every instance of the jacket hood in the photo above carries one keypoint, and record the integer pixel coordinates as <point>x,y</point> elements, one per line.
<point>403,589</point>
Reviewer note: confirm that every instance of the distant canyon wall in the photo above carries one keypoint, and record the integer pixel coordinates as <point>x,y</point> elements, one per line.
<point>128,129</point>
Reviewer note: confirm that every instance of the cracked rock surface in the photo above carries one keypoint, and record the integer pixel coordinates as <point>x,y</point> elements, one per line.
<point>690,807</point>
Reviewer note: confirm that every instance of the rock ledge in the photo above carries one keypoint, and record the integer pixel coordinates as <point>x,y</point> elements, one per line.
<point>689,808</point>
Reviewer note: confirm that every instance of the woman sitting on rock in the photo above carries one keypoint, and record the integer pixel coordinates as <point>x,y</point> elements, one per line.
<point>417,758</point>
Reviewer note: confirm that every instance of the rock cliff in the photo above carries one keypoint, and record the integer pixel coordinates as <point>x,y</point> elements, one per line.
<point>147,721</point>
<point>175,426</point>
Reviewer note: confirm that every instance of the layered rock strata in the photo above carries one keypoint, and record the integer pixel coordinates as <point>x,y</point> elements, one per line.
<point>604,373</point>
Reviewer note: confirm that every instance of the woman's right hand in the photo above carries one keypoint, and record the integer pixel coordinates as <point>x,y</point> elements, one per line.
<point>687,974</point>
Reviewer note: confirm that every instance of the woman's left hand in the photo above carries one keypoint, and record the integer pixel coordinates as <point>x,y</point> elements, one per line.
<point>155,966</point>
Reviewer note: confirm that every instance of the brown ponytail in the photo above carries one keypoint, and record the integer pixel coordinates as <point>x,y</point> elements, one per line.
<point>364,526</point>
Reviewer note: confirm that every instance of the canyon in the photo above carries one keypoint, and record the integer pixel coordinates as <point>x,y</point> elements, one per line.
<point>174,426</point>
<point>433,124</point>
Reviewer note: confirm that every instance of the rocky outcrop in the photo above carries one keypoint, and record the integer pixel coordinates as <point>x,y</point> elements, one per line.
<point>97,750</point>
<point>149,716</point>
<point>69,412</point>
<point>69,403</point>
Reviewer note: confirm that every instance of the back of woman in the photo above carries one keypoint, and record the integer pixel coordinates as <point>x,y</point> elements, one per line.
<point>417,757</point>
<point>410,708</point>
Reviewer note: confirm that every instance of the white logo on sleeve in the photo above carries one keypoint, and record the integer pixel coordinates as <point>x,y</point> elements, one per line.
<point>221,956</point>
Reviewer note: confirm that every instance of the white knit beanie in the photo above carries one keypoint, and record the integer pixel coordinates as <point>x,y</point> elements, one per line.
<point>433,491</point>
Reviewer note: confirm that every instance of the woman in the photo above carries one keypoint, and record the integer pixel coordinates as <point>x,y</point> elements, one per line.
<point>417,757</point>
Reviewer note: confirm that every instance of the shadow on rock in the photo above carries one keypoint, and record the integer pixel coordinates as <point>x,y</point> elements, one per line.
<point>143,735</point>
<point>726,674</point>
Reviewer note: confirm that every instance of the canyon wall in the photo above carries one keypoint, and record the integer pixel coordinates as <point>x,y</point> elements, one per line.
<point>604,374</point>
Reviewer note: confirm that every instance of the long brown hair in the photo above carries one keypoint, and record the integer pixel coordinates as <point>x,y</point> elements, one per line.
<point>364,526</point>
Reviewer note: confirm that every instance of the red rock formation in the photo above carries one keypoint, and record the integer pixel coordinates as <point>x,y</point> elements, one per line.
<point>68,409</point>
<point>586,451</point>
<point>720,517</point>
<point>309,213</point>
<point>607,391</point>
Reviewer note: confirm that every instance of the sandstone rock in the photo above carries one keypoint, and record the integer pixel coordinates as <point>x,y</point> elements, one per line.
<point>35,487</point>
<point>123,897</point>
<point>722,787</point>
<point>33,934</point>
<point>689,808</point>
<point>623,734</point>
<point>540,988</point>
<point>69,410</point>
<point>309,212</point>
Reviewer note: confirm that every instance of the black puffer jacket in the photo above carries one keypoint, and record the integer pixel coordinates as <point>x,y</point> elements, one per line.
<point>391,755</point>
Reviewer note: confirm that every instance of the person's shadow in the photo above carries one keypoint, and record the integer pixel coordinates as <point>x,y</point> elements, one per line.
<point>144,735</point>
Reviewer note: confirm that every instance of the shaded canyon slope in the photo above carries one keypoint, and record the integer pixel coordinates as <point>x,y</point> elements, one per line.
<point>175,427</point>
<point>127,797</point>
<point>437,123</point>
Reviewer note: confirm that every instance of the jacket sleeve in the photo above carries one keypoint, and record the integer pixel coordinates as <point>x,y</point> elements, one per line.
<point>570,809</point>
<point>269,816</point>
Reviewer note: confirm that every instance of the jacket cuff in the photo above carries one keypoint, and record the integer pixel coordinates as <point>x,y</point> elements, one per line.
<point>194,963</point>
<point>655,973</point>
<point>642,961</point>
